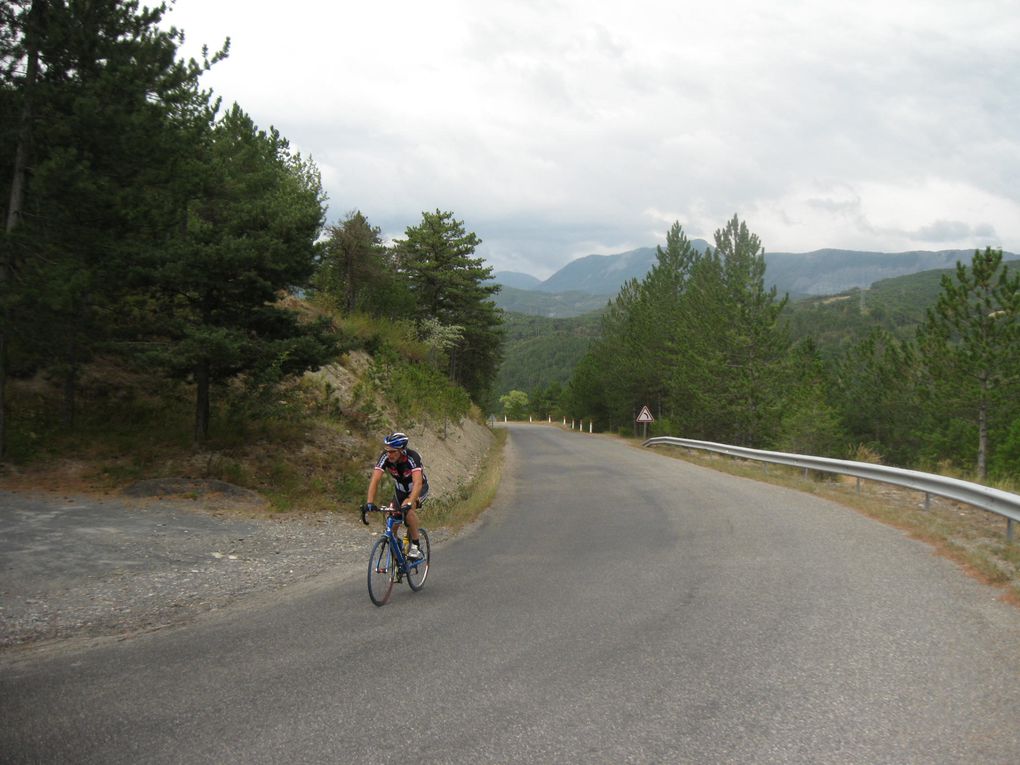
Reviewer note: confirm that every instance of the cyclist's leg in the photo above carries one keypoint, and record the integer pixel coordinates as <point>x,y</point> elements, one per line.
<point>396,506</point>
<point>411,516</point>
<point>408,515</point>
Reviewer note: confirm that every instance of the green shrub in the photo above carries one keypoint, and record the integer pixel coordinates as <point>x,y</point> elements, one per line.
<point>1005,463</point>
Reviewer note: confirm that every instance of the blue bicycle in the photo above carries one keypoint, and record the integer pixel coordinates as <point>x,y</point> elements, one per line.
<point>389,564</point>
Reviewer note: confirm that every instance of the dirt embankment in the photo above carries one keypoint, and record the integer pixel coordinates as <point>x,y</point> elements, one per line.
<point>161,552</point>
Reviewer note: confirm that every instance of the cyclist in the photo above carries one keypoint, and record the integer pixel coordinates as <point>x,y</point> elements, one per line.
<point>410,484</point>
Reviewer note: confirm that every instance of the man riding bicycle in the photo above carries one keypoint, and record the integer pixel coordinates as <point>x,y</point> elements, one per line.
<point>410,484</point>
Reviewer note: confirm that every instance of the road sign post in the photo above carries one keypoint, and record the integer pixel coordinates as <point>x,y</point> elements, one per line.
<point>645,417</point>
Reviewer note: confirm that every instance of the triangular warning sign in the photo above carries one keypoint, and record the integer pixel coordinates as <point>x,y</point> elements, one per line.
<point>645,415</point>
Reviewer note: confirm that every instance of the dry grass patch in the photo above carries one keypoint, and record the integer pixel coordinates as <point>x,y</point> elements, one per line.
<point>466,505</point>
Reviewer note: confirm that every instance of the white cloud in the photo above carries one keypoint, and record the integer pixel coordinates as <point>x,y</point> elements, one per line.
<point>559,129</point>
<point>928,213</point>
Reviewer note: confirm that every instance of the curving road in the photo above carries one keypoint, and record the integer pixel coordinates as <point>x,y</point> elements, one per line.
<point>614,606</point>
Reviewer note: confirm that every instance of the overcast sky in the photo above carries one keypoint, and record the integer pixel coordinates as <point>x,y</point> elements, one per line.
<point>560,129</point>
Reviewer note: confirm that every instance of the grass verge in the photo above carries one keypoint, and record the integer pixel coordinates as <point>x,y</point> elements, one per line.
<point>462,508</point>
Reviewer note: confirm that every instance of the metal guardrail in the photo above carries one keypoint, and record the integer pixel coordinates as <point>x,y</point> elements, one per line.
<point>996,501</point>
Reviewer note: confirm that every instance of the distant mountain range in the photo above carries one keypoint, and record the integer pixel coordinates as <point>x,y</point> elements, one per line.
<point>592,274</point>
<point>588,283</point>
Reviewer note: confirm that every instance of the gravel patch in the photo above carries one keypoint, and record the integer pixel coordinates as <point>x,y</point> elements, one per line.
<point>164,551</point>
<point>74,566</point>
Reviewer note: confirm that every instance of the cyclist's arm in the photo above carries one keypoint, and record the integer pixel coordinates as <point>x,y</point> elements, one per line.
<point>416,484</point>
<point>373,485</point>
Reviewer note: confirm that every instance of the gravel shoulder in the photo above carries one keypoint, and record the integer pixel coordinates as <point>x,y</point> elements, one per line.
<point>76,566</point>
<point>79,566</point>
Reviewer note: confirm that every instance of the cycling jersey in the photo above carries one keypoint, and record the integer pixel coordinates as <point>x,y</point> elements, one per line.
<point>402,472</point>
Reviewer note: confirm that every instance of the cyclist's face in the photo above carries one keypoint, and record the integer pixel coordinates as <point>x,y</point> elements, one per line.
<point>393,454</point>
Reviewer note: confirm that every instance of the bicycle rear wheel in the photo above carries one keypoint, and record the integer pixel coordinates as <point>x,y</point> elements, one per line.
<point>418,570</point>
<point>382,570</point>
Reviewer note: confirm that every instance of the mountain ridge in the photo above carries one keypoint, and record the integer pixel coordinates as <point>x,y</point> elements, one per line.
<point>827,271</point>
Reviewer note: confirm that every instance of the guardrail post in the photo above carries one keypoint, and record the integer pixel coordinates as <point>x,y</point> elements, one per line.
<point>858,487</point>
<point>927,501</point>
<point>1009,529</point>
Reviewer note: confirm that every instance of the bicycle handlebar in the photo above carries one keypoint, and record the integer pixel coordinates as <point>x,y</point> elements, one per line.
<point>372,508</point>
<point>366,508</point>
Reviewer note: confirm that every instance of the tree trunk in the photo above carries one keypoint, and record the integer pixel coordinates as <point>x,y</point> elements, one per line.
<point>73,362</point>
<point>16,202</point>
<point>70,382</point>
<point>453,370</point>
<point>201,402</point>
<point>982,456</point>
<point>349,287</point>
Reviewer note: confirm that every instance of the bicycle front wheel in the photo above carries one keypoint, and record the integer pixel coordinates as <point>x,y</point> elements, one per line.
<point>418,570</point>
<point>382,570</point>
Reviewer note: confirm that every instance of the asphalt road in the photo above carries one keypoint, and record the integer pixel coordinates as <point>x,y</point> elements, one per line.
<point>613,606</point>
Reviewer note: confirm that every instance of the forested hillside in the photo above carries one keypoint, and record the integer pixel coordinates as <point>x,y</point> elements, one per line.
<point>541,352</point>
<point>588,283</point>
<point>837,322</point>
<point>167,277</point>
<point>553,305</point>
<point>919,370</point>
<point>832,271</point>
<point>605,274</point>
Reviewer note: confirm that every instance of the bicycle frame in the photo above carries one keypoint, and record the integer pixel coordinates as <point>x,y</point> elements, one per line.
<point>404,565</point>
<point>388,563</point>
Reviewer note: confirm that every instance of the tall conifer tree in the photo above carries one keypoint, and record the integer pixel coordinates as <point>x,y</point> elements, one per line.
<point>104,114</point>
<point>970,345</point>
<point>451,286</point>
<point>754,343</point>
<point>249,236</point>
<point>355,269</point>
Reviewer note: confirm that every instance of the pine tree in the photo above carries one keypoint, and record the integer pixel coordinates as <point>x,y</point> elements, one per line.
<point>810,424</point>
<point>660,319</point>
<point>602,387</point>
<point>970,346</point>
<point>633,358</point>
<point>98,124</point>
<point>698,368</point>
<point>454,288</point>
<point>698,339</point>
<point>356,271</point>
<point>754,343</point>
<point>250,236</point>
<point>875,389</point>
